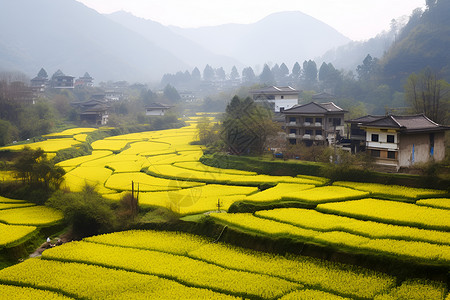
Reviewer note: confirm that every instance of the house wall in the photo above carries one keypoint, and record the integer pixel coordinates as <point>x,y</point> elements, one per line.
<point>283,103</point>
<point>154,112</point>
<point>382,139</point>
<point>317,128</point>
<point>422,149</point>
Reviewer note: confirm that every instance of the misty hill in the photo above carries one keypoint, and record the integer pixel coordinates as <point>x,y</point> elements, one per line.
<point>180,46</point>
<point>281,37</point>
<point>425,41</point>
<point>67,35</point>
<point>350,55</point>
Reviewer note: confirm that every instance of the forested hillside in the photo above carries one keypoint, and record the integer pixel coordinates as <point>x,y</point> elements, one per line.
<point>424,42</point>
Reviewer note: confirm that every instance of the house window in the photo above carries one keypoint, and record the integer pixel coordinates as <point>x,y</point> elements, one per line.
<point>390,138</point>
<point>308,131</point>
<point>319,132</point>
<point>391,154</point>
<point>282,97</point>
<point>293,141</point>
<point>319,120</point>
<point>308,120</point>
<point>292,119</point>
<point>375,153</point>
<point>294,131</point>
<point>431,144</point>
<point>375,138</point>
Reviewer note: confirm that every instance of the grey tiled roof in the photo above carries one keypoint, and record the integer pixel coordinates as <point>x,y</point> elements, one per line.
<point>365,119</point>
<point>275,90</point>
<point>413,123</point>
<point>157,105</point>
<point>315,108</point>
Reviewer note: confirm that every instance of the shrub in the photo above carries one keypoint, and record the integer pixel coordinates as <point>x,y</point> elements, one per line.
<point>86,212</point>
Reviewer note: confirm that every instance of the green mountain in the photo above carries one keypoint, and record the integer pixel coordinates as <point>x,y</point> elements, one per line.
<point>424,42</point>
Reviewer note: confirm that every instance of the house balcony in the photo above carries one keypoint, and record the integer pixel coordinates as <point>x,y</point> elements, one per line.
<point>306,137</point>
<point>319,138</point>
<point>309,124</point>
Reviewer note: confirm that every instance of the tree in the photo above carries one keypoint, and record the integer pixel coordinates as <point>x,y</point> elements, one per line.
<point>323,71</point>
<point>248,76</point>
<point>34,169</point>
<point>329,76</point>
<point>234,73</point>
<point>310,74</point>
<point>367,69</point>
<point>284,71</point>
<point>220,74</point>
<point>431,3</point>
<point>208,73</point>
<point>267,77</point>
<point>86,212</point>
<point>8,132</point>
<point>247,126</point>
<point>296,71</point>
<point>195,75</point>
<point>428,94</point>
<point>148,97</point>
<point>171,94</point>
<point>207,131</point>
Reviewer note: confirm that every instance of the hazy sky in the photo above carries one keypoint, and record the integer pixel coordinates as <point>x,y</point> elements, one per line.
<point>356,19</point>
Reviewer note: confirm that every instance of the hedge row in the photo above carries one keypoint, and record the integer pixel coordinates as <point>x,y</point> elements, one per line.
<point>333,172</point>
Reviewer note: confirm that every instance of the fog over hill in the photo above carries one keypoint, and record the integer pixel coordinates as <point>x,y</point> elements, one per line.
<point>187,50</point>
<point>280,37</point>
<point>68,35</point>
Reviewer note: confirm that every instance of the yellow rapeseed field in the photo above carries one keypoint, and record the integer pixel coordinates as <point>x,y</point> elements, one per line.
<point>279,192</point>
<point>171,242</point>
<point>51,145</point>
<point>416,289</point>
<point>392,212</point>
<point>26,293</point>
<point>11,234</point>
<point>435,202</point>
<point>82,159</point>
<point>376,189</point>
<point>34,216</point>
<point>71,132</point>
<point>311,294</point>
<point>181,268</point>
<point>311,219</point>
<point>94,282</point>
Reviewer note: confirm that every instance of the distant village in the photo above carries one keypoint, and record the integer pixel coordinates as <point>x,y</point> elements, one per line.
<point>393,141</point>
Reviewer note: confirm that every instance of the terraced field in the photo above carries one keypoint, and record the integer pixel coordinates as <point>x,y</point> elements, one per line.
<point>172,265</point>
<point>20,220</point>
<point>391,222</point>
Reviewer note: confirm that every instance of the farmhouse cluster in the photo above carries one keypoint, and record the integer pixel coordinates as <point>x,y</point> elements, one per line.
<point>394,141</point>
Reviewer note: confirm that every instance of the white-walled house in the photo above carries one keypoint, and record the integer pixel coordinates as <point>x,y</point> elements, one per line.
<point>156,109</point>
<point>280,98</point>
<point>402,141</point>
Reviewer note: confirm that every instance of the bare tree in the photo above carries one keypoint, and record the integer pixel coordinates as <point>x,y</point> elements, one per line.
<point>428,94</point>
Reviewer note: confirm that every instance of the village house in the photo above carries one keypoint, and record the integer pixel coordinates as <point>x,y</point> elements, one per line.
<point>40,82</point>
<point>94,111</point>
<point>61,81</point>
<point>156,109</point>
<point>399,141</point>
<point>314,123</point>
<point>278,98</point>
<point>85,81</point>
